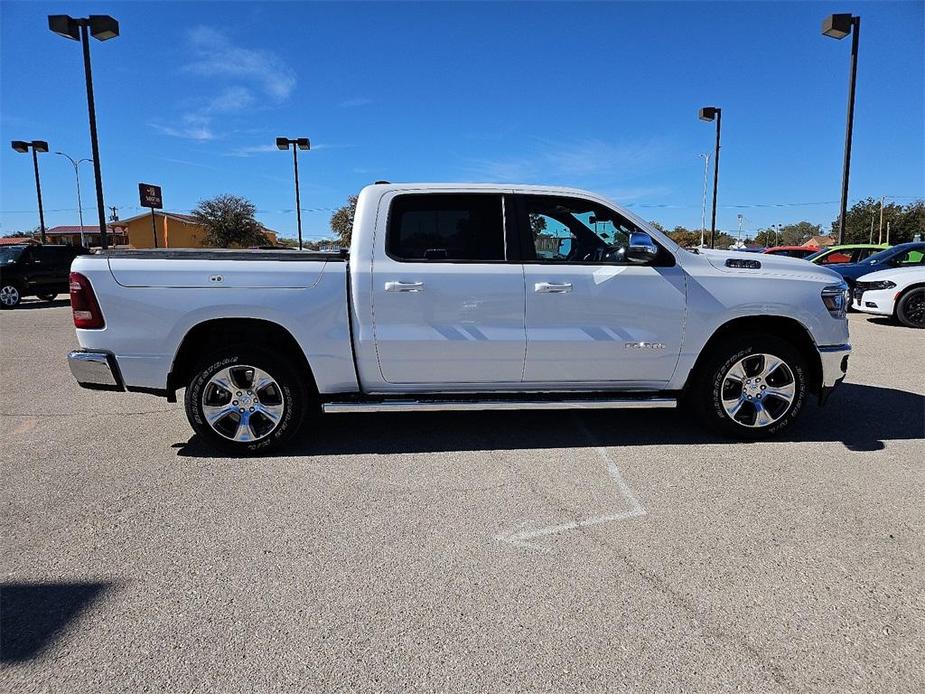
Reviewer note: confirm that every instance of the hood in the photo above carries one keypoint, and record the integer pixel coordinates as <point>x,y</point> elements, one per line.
<point>772,266</point>
<point>916,272</point>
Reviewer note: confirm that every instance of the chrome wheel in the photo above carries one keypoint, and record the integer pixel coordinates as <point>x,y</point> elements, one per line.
<point>9,295</point>
<point>758,390</point>
<point>243,403</point>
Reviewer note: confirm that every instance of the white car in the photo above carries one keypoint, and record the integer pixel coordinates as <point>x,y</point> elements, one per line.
<point>896,292</point>
<point>463,297</point>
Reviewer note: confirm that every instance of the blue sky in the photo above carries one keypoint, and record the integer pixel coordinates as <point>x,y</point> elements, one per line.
<point>602,96</point>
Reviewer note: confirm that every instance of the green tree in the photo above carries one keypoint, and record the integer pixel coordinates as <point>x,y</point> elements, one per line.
<point>342,221</point>
<point>862,222</point>
<point>229,222</point>
<point>658,226</point>
<point>767,237</point>
<point>685,237</point>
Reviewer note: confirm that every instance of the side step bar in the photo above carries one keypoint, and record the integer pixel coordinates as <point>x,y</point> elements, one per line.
<point>480,405</point>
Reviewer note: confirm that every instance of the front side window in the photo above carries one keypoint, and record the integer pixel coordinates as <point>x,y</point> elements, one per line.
<point>446,227</point>
<point>571,230</point>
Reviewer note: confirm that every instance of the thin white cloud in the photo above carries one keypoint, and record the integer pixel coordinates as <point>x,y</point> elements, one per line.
<point>231,100</point>
<point>191,127</point>
<point>355,102</point>
<point>218,56</point>
<point>251,151</point>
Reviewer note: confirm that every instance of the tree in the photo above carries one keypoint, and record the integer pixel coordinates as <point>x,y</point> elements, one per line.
<point>684,237</point>
<point>229,222</point>
<point>658,226</point>
<point>862,222</point>
<point>342,221</point>
<point>788,235</point>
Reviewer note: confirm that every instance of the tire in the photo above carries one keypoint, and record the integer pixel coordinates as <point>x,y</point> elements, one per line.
<point>285,399</point>
<point>46,297</point>
<point>910,309</point>
<point>10,295</point>
<point>730,388</point>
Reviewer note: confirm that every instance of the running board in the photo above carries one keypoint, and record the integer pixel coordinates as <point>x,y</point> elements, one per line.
<point>480,405</point>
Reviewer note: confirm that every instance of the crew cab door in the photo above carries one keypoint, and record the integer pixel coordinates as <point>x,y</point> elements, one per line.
<point>448,307</point>
<point>593,317</point>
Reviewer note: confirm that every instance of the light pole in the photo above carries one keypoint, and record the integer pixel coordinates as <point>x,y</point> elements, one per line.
<point>740,218</point>
<point>297,144</point>
<point>709,113</point>
<point>102,27</point>
<point>703,207</point>
<point>80,212</point>
<point>36,146</point>
<point>880,230</point>
<point>838,26</point>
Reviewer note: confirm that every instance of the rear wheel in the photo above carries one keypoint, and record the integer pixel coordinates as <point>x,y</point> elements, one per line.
<point>910,309</point>
<point>750,387</point>
<point>245,401</point>
<point>47,297</point>
<point>10,296</point>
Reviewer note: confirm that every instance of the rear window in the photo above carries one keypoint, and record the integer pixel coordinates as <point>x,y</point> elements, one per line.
<point>446,227</point>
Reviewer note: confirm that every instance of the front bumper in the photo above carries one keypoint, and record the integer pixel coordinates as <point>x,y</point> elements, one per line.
<point>95,370</point>
<point>834,360</point>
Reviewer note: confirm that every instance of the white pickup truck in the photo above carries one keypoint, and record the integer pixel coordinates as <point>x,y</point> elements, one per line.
<point>462,297</point>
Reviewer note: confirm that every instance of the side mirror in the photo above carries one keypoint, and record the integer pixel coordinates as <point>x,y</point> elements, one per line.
<point>641,248</point>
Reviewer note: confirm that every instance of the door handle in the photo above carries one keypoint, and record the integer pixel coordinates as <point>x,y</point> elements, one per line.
<point>404,286</point>
<point>552,287</point>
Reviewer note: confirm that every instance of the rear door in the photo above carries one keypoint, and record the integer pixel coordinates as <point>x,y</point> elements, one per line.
<point>593,318</point>
<point>448,306</point>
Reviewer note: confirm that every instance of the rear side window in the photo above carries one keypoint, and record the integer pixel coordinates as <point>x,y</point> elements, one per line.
<point>446,227</point>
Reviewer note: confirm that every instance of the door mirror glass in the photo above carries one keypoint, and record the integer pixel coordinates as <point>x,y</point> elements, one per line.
<point>641,248</point>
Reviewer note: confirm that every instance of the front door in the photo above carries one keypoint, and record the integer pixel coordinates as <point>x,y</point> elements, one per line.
<point>592,317</point>
<point>448,307</point>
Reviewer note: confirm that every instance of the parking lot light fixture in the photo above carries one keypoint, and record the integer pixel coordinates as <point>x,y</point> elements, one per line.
<point>36,146</point>
<point>710,113</point>
<point>102,27</point>
<point>838,26</point>
<point>80,213</point>
<point>296,144</point>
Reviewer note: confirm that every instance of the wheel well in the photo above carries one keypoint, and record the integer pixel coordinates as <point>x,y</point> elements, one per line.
<point>213,334</point>
<point>785,328</point>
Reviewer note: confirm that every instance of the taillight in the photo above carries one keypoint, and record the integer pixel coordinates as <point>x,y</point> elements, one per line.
<point>86,310</point>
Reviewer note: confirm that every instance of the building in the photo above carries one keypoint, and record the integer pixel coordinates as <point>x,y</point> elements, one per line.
<point>168,230</point>
<point>820,241</point>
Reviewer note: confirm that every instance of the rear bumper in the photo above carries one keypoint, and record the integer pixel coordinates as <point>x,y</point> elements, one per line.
<point>95,370</point>
<point>834,360</point>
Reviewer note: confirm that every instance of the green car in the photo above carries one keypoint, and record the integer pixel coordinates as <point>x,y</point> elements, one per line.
<point>848,253</point>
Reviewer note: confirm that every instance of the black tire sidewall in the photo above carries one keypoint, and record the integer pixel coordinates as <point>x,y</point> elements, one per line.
<point>709,390</point>
<point>901,307</point>
<point>18,289</point>
<point>293,390</point>
<point>47,296</point>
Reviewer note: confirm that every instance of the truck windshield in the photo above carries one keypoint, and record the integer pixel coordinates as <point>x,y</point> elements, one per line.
<point>10,254</point>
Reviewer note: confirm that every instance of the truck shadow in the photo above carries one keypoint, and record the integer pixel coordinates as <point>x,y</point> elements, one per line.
<point>858,416</point>
<point>27,305</point>
<point>33,615</point>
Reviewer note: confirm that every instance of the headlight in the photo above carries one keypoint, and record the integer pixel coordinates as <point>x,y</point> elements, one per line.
<point>884,284</point>
<point>835,298</point>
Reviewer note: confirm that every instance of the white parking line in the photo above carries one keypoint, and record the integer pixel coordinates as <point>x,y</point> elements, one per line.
<point>522,538</point>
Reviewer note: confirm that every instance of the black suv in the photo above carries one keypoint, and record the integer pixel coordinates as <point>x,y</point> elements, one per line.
<point>40,271</point>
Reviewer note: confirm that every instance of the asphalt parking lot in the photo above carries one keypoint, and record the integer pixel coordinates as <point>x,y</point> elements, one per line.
<point>606,551</point>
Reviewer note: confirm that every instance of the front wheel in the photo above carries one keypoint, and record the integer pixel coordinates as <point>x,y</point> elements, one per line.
<point>245,401</point>
<point>910,309</point>
<point>10,296</point>
<point>751,387</point>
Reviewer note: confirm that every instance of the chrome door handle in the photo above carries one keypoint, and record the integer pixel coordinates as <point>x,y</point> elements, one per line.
<point>404,286</point>
<point>552,287</point>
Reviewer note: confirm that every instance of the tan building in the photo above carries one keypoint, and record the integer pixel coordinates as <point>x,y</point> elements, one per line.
<point>169,230</point>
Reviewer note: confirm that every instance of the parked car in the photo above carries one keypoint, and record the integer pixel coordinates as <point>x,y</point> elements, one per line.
<point>33,270</point>
<point>792,251</point>
<point>847,253</point>
<point>457,297</point>
<point>901,255</point>
<point>898,292</point>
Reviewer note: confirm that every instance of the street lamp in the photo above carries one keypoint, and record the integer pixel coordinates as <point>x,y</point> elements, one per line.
<point>838,26</point>
<point>80,212</point>
<point>102,27</point>
<point>36,146</point>
<point>703,208</point>
<point>297,144</point>
<point>709,113</point>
